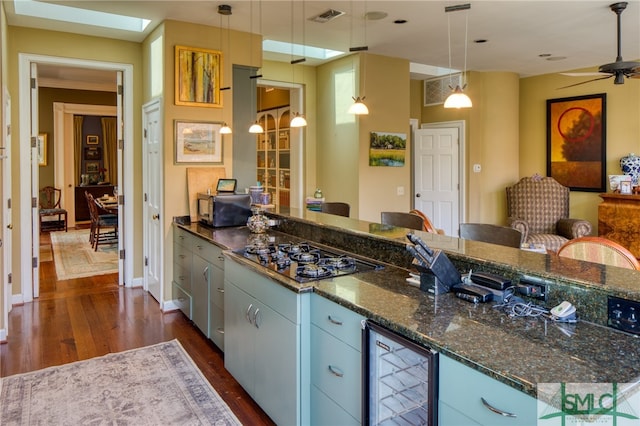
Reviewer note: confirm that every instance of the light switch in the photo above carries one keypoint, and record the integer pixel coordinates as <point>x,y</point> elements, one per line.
<point>400,190</point>
<point>477,168</point>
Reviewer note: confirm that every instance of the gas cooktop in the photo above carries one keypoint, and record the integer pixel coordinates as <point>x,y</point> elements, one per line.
<point>304,262</point>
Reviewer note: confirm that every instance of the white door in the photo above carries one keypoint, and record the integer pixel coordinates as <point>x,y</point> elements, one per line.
<point>5,155</point>
<point>152,184</point>
<point>35,177</point>
<point>437,190</point>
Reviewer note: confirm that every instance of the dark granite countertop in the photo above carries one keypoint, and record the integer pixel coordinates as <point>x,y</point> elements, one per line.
<point>520,352</point>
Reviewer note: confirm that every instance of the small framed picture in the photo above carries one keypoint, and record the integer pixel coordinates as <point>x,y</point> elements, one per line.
<point>625,187</point>
<point>92,139</point>
<point>92,167</point>
<point>92,153</point>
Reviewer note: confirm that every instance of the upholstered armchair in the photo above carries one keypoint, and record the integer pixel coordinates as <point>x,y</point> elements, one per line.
<point>539,208</point>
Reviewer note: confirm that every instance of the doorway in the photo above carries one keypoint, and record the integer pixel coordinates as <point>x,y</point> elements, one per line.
<point>439,174</point>
<point>29,243</point>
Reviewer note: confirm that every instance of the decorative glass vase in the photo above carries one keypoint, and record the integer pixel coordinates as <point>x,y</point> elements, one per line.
<point>258,223</point>
<point>630,165</point>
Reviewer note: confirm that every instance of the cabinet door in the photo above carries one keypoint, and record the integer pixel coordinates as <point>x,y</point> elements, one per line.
<point>277,366</point>
<point>200,293</point>
<point>239,336</point>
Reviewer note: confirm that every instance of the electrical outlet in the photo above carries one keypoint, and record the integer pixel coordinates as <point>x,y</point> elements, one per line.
<point>623,314</point>
<point>400,190</point>
<point>535,287</point>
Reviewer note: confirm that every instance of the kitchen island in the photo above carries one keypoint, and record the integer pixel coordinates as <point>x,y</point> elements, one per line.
<point>517,352</point>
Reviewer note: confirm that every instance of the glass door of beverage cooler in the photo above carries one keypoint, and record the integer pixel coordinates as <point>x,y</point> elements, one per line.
<point>400,379</point>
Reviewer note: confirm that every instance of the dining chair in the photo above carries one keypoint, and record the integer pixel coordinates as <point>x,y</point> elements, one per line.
<point>494,234</point>
<point>104,227</point>
<point>427,225</point>
<point>599,250</point>
<point>50,208</point>
<point>402,219</point>
<point>337,208</point>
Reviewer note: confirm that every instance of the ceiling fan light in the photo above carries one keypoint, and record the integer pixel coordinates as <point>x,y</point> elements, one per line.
<point>225,129</point>
<point>298,121</point>
<point>256,128</point>
<point>458,99</point>
<point>619,79</point>
<point>358,107</point>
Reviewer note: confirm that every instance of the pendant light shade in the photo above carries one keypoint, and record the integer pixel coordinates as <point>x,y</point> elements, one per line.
<point>256,128</point>
<point>358,107</point>
<point>298,121</point>
<point>225,129</point>
<point>458,99</point>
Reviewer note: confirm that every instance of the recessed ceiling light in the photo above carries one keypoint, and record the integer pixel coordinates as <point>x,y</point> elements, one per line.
<point>544,55</point>
<point>556,58</point>
<point>375,15</point>
<point>400,21</point>
<point>480,40</point>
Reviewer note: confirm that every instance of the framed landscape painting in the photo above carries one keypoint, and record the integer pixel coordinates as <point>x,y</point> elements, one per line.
<point>198,142</point>
<point>197,77</point>
<point>576,142</point>
<point>387,149</point>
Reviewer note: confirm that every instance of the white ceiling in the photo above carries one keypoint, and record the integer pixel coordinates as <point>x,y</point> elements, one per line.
<point>576,34</point>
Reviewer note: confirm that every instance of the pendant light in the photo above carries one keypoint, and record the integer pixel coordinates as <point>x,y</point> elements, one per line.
<point>255,127</point>
<point>298,119</point>
<point>225,9</point>
<point>458,99</point>
<point>358,107</point>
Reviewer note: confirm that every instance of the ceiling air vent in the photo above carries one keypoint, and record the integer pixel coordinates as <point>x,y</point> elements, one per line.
<point>326,16</point>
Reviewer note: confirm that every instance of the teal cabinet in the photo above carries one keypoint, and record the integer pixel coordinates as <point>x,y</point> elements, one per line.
<point>216,301</point>
<point>336,363</point>
<point>182,260</point>
<point>200,292</point>
<point>264,343</point>
<point>463,389</point>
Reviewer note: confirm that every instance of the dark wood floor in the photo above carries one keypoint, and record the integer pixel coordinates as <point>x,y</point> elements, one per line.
<point>87,317</point>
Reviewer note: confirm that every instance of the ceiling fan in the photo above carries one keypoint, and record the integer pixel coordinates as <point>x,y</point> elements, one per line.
<point>618,69</point>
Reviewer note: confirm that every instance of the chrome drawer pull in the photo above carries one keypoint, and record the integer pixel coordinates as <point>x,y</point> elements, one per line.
<point>495,410</point>
<point>205,272</point>
<point>246,315</point>
<point>221,258</point>
<point>335,371</point>
<point>220,330</point>
<point>331,320</point>
<point>255,318</point>
<point>220,290</point>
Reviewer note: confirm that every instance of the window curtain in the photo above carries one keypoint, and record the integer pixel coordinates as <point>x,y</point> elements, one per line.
<point>77,147</point>
<point>110,143</point>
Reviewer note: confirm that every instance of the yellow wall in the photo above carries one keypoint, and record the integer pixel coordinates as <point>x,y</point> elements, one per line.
<point>622,134</point>
<point>491,141</point>
<point>51,43</point>
<point>175,175</point>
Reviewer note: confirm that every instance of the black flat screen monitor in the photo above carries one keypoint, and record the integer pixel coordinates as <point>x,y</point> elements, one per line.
<point>226,186</point>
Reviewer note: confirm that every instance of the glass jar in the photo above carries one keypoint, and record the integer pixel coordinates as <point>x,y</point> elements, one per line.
<point>318,193</point>
<point>258,223</point>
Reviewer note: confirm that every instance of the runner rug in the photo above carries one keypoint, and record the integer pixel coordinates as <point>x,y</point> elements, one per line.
<point>154,385</point>
<point>75,258</point>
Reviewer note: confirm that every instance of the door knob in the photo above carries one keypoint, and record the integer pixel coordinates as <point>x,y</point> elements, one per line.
<point>156,216</point>
<point>9,226</point>
<point>417,195</point>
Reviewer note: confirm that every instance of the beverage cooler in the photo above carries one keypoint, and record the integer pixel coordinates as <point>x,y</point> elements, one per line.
<point>400,379</point>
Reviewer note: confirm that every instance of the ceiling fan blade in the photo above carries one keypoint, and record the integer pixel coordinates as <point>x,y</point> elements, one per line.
<point>587,81</point>
<point>583,74</point>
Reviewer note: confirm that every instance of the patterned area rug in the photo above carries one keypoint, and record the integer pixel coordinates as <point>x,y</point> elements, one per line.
<point>155,385</point>
<point>75,258</point>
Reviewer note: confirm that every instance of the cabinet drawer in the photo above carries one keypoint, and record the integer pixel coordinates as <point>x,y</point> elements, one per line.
<point>216,292</point>
<point>182,256</point>
<point>447,416</point>
<point>206,250</point>
<point>337,321</point>
<point>336,370</point>
<point>325,412</point>
<point>182,276</point>
<point>181,299</point>
<point>182,237</point>
<point>462,388</point>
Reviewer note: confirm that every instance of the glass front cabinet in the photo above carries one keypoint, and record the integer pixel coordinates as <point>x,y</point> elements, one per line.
<point>274,155</point>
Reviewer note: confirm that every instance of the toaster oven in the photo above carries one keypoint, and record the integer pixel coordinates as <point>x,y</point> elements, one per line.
<point>224,210</point>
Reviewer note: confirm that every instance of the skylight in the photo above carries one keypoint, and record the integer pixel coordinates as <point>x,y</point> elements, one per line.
<point>57,12</point>
<point>299,50</point>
